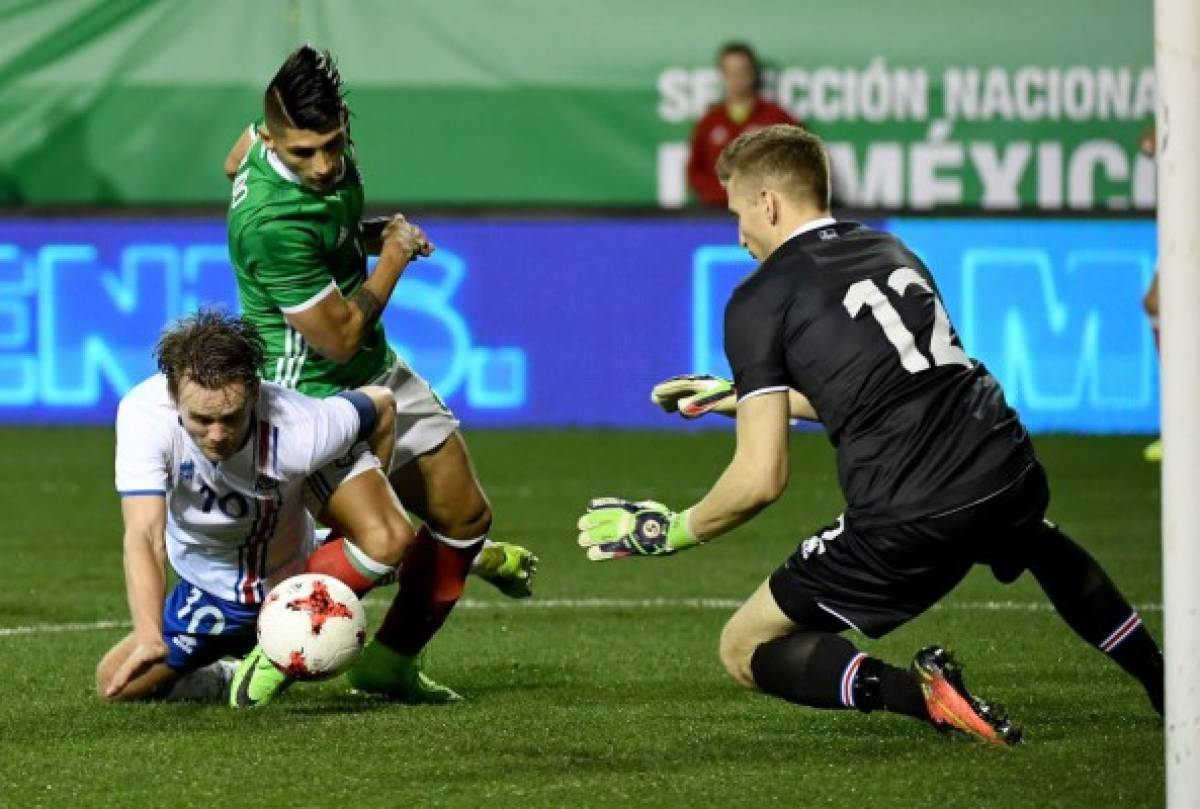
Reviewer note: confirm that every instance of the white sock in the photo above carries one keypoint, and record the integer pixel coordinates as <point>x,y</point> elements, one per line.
<point>365,563</point>
<point>487,543</point>
<point>207,684</point>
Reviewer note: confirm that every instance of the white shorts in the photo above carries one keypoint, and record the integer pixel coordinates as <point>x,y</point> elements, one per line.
<point>322,483</point>
<point>423,421</point>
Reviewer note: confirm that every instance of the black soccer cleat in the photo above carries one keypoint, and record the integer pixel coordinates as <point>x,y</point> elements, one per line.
<point>952,707</point>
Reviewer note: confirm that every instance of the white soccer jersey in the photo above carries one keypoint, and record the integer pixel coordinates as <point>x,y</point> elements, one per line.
<point>235,528</point>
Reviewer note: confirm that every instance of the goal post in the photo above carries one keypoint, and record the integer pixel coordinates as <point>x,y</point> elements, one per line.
<point>1177,65</point>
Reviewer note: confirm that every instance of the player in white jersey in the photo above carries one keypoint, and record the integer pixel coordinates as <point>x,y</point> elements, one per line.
<point>218,473</point>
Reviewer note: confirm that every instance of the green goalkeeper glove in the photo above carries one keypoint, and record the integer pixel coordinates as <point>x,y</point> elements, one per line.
<point>693,395</point>
<point>612,528</point>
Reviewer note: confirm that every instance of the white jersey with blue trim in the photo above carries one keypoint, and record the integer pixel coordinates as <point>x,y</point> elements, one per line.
<point>237,527</point>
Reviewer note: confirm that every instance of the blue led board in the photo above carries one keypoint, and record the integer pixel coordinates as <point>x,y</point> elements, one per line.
<point>569,322</point>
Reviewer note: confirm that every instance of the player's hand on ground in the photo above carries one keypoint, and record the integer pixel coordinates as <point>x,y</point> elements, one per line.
<point>613,528</point>
<point>406,238</point>
<point>144,656</point>
<point>693,395</point>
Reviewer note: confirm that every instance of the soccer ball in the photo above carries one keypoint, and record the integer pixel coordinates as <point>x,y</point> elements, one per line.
<point>312,626</point>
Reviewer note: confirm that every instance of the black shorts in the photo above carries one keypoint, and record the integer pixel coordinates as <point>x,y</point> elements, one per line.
<point>876,579</point>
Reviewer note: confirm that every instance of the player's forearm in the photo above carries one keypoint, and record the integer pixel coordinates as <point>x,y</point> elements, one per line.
<point>145,582</point>
<point>367,304</point>
<point>739,494</point>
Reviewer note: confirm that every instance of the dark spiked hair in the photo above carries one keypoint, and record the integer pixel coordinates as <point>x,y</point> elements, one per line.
<point>306,93</point>
<point>212,348</point>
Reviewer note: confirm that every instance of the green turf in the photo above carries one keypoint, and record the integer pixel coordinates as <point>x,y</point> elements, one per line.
<point>577,706</point>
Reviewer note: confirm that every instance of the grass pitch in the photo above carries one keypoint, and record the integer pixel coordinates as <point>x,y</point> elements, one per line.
<point>587,696</point>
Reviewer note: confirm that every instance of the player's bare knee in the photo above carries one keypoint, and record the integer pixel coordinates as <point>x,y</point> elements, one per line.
<point>106,668</point>
<point>102,693</point>
<point>103,678</point>
<point>481,522</point>
<point>736,650</point>
<point>386,539</point>
<point>469,520</point>
<point>103,681</point>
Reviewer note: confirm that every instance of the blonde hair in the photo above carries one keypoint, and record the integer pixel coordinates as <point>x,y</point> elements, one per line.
<point>788,157</point>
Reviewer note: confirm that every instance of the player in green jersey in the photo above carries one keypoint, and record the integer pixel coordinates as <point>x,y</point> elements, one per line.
<point>299,252</point>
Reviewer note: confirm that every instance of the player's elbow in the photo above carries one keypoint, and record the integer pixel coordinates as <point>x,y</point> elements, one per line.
<point>385,422</point>
<point>385,409</point>
<point>348,339</point>
<point>339,349</point>
<point>766,486</point>
<point>336,335</point>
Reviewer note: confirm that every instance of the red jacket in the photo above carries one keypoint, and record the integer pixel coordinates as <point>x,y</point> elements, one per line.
<point>715,130</point>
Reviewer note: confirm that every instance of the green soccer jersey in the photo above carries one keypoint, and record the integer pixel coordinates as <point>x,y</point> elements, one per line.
<point>290,247</point>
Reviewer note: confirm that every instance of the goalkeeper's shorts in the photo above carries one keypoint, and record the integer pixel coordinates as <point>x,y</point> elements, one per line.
<point>875,578</point>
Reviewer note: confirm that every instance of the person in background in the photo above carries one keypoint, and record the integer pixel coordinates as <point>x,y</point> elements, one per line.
<point>742,108</point>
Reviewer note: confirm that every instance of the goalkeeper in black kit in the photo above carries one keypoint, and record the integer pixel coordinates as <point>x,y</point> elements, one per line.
<point>843,324</point>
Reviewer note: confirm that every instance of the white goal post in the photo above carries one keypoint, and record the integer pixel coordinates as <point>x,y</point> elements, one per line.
<point>1177,64</point>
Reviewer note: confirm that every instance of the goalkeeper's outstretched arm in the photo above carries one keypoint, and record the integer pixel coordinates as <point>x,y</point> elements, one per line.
<point>613,528</point>
<point>756,476</point>
<point>694,395</point>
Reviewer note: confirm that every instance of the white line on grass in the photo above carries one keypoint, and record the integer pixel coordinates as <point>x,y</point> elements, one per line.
<point>583,604</point>
<point>45,629</point>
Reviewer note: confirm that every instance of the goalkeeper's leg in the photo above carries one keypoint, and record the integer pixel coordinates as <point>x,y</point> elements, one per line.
<point>1091,604</point>
<point>816,667</point>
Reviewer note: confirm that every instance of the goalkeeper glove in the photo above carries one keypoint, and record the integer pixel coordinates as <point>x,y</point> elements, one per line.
<point>693,395</point>
<point>612,528</point>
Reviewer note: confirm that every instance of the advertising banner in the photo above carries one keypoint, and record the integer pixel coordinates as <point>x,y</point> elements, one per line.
<point>925,104</point>
<point>555,323</point>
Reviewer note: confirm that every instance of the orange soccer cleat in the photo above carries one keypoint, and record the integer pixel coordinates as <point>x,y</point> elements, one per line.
<point>951,706</point>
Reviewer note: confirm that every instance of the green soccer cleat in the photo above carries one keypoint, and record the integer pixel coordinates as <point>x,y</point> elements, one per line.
<point>507,567</point>
<point>381,672</point>
<point>257,681</point>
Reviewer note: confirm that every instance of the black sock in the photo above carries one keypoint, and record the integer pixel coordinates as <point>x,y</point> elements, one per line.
<point>824,670</point>
<point>887,687</point>
<point>1092,605</point>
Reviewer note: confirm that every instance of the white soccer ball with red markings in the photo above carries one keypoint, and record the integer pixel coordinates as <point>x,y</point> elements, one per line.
<point>312,626</point>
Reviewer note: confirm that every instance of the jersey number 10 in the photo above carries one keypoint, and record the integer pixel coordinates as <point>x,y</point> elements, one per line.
<point>941,343</point>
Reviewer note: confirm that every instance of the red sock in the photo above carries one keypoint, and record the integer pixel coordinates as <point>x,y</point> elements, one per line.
<point>346,563</point>
<point>432,579</point>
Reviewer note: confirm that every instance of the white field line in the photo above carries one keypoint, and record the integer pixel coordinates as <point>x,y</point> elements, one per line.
<point>722,604</point>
